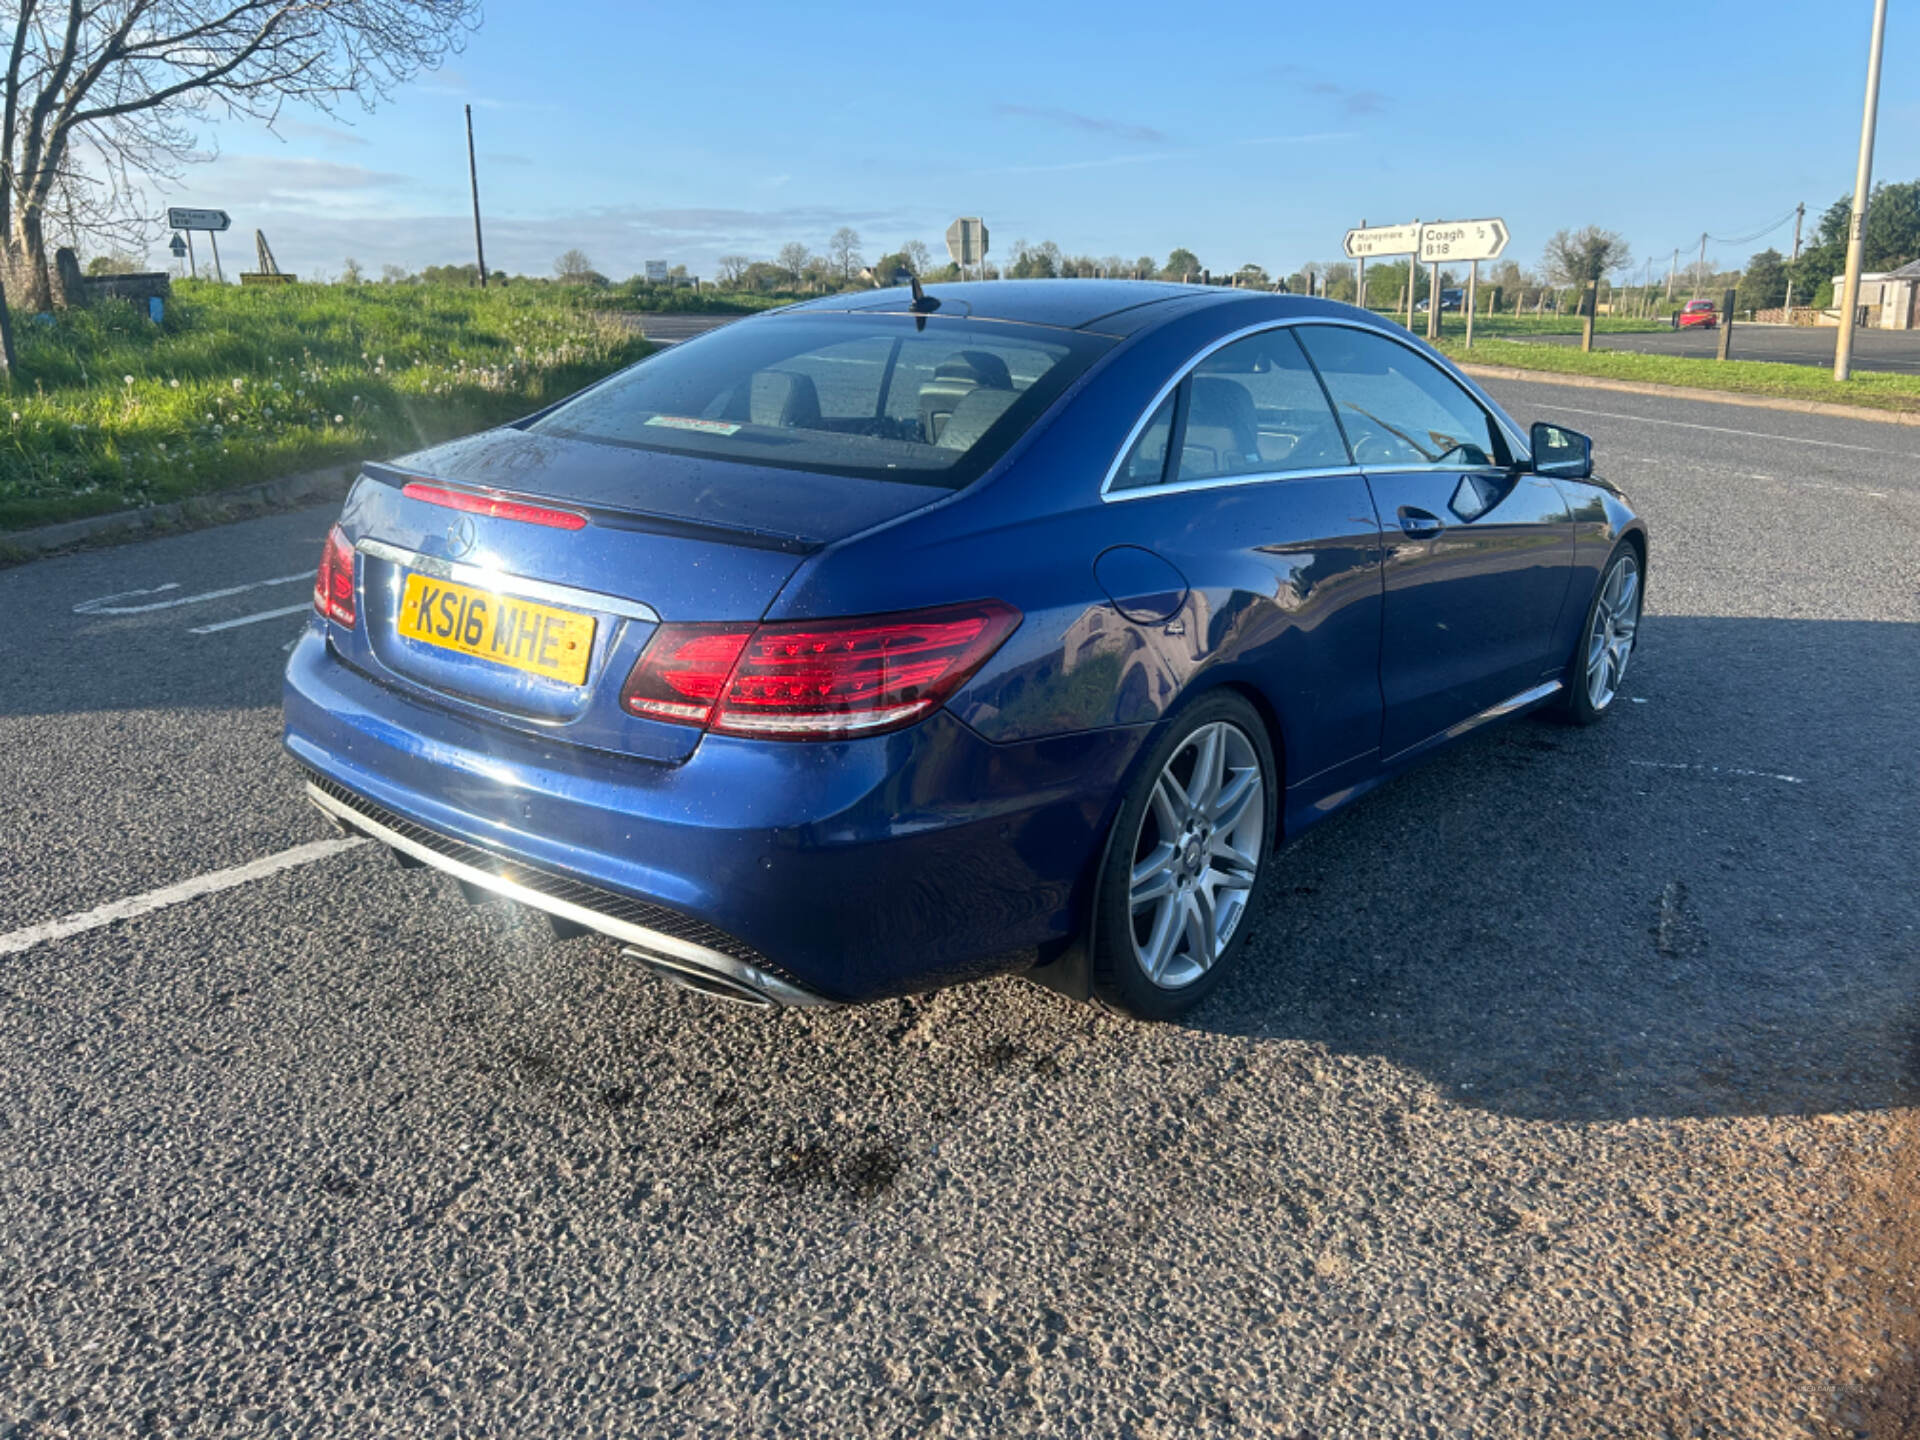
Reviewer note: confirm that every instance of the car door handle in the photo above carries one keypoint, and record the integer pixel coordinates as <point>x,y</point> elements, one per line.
<point>1420,523</point>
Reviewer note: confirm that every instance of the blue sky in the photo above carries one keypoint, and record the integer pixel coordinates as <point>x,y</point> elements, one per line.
<point>1247,133</point>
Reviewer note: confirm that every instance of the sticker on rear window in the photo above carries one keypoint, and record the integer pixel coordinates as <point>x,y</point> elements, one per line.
<point>707,427</point>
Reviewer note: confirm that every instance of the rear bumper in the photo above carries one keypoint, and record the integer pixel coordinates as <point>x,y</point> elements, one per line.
<point>809,872</point>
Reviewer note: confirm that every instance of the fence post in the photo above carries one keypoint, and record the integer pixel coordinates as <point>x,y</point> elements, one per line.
<point>1589,302</point>
<point>1726,324</point>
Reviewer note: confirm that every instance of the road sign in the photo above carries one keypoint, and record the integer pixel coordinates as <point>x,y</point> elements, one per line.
<point>1383,240</point>
<point>656,272</point>
<point>967,240</point>
<point>1446,241</point>
<point>183,219</point>
<point>177,246</point>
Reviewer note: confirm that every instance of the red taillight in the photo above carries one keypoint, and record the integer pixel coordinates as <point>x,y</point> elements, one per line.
<point>815,680</point>
<point>683,670</point>
<point>493,506</point>
<point>333,586</point>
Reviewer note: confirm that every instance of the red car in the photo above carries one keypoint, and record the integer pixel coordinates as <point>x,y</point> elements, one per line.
<point>1697,315</point>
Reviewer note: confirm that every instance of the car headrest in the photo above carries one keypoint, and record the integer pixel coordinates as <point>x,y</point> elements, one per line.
<point>784,398</point>
<point>982,367</point>
<point>973,415</point>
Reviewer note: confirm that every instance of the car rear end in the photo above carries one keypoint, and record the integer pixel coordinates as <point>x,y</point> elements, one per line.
<point>550,661</point>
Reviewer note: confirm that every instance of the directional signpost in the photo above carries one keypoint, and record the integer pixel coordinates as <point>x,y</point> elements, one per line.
<point>1431,244</point>
<point>967,243</point>
<point>1456,240</point>
<point>182,217</point>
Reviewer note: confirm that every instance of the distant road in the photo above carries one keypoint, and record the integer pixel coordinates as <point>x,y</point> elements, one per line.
<point>1891,350</point>
<point>671,329</point>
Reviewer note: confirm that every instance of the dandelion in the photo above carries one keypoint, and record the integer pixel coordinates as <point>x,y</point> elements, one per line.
<point>16,417</point>
<point>127,378</point>
<point>239,384</point>
<point>339,419</point>
<point>174,383</point>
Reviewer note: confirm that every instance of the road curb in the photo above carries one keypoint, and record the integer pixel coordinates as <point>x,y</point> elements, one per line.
<point>197,512</point>
<point>1695,392</point>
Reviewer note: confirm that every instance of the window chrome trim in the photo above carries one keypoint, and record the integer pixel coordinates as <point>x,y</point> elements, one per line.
<point>501,583</point>
<point>1108,494</point>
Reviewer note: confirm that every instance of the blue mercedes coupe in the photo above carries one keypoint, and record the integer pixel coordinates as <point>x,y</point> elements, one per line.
<point>901,637</point>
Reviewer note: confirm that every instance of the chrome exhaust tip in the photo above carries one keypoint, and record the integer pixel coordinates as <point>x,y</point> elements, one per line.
<point>700,980</point>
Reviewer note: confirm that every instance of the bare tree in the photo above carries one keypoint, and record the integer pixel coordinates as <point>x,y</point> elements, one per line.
<point>351,273</point>
<point>844,251</point>
<point>1581,257</point>
<point>793,260</point>
<point>919,258</point>
<point>101,95</point>
<point>732,267</point>
<point>575,268</point>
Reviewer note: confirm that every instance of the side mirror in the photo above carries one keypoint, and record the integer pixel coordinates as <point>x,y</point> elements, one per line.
<point>1563,454</point>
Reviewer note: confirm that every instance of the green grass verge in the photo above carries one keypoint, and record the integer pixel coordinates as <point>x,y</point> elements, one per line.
<point>1745,377</point>
<point>107,410</point>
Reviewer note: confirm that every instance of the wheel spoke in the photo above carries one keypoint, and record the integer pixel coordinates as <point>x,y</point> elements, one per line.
<point>1168,926</point>
<point>1238,793</point>
<point>1152,877</point>
<point>1169,804</point>
<point>1199,928</point>
<point>1629,589</point>
<point>1209,756</point>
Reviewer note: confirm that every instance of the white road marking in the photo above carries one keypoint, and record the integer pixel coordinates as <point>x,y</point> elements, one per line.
<point>249,619</point>
<point>104,604</point>
<point>209,884</point>
<point>1724,430</point>
<point>1720,770</point>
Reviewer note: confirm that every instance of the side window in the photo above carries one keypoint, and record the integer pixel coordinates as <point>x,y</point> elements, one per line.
<point>1146,463</point>
<point>1398,407</point>
<point>1255,408</point>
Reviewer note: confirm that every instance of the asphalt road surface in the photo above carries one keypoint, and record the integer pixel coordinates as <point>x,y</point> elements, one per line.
<point>1894,350</point>
<point>1567,1089</point>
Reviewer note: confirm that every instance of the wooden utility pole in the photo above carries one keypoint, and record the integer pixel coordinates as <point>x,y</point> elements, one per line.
<point>473,177</point>
<point>1799,214</point>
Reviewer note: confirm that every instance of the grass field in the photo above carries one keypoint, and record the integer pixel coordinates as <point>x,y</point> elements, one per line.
<point>1750,377</point>
<point>108,410</point>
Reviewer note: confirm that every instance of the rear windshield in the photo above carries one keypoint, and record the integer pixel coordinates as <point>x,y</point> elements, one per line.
<point>877,396</point>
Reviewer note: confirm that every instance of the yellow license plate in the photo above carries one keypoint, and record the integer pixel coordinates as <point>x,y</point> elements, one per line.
<point>539,639</point>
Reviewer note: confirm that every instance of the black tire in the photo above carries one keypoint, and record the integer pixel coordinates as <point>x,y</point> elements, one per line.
<point>1588,703</point>
<point>1120,976</point>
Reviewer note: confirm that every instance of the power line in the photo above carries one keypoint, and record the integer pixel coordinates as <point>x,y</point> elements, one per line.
<point>1763,230</point>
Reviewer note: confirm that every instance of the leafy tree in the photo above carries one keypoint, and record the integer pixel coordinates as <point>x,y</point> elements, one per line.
<point>112,263</point>
<point>574,267</point>
<point>1144,268</point>
<point>1339,281</point>
<point>793,259</point>
<point>1252,274</point>
<point>1892,238</point>
<point>103,95</point>
<point>887,266</point>
<point>395,275</point>
<point>1035,262</point>
<point>1180,264</point>
<point>1582,257</point>
<point>351,273</point>
<point>1764,286</point>
<point>843,252</point>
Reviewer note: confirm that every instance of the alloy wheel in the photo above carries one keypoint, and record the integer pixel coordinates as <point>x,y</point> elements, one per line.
<point>1616,619</point>
<point>1197,855</point>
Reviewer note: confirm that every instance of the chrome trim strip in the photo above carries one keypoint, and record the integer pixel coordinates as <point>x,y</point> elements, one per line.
<point>501,583</point>
<point>779,991</point>
<point>1525,700</point>
<point>1216,482</point>
<point>1515,441</point>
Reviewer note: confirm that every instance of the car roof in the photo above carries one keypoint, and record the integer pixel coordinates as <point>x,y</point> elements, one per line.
<point>1110,307</point>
